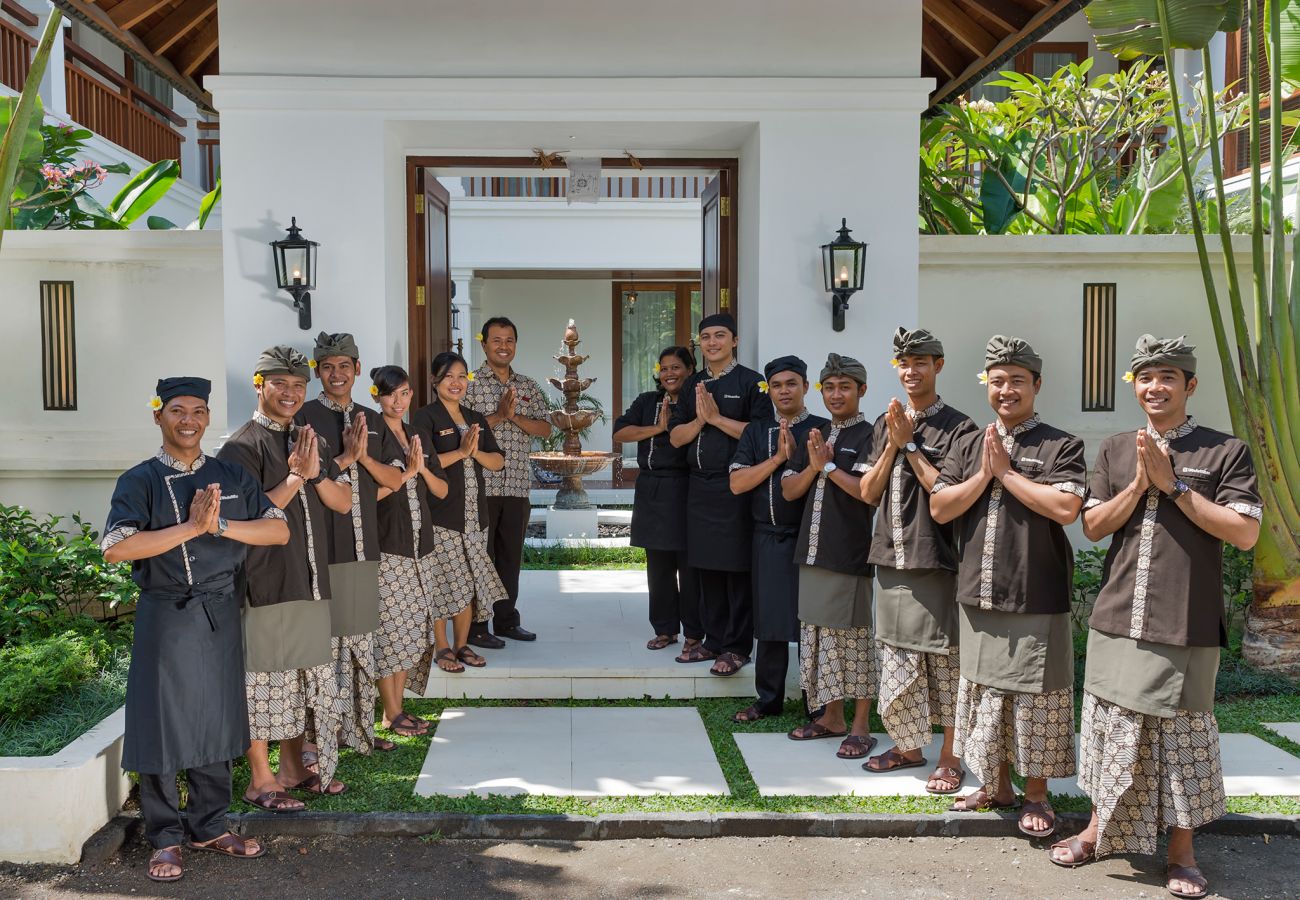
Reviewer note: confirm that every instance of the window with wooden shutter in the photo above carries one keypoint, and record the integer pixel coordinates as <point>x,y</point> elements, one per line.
<point>1236,144</point>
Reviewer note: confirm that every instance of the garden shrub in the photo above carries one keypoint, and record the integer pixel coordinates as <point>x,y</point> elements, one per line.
<point>33,675</point>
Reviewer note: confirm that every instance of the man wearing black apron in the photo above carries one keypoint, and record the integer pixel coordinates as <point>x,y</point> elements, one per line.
<point>183,519</point>
<point>765,447</point>
<point>716,404</point>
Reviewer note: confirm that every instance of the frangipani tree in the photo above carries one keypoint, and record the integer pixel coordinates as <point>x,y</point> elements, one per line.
<point>1261,373</point>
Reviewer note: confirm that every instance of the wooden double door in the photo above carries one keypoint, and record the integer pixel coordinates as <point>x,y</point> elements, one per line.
<point>429,291</point>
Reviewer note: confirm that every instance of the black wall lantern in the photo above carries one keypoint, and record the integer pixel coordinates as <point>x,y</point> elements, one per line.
<point>295,270</point>
<point>843,269</point>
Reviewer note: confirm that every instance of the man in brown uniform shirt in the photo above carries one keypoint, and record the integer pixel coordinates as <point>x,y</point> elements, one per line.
<point>355,435</point>
<point>916,566</point>
<point>1170,495</point>
<point>1012,488</point>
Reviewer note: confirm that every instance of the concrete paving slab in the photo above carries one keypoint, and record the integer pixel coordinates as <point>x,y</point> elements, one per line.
<point>785,768</point>
<point>1288,730</point>
<point>1253,766</point>
<point>570,752</point>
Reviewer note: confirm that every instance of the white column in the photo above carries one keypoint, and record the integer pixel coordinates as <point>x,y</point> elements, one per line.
<point>460,304</point>
<point>474,316</point>
<point>54,85</point>
<point>191,159</point>
<point>809,170</point>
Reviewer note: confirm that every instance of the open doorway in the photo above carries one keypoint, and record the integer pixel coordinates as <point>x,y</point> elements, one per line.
<point>711,183</point>
<point>638,269</point>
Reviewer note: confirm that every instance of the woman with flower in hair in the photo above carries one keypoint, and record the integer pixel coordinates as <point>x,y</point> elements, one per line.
<point>659,502</point>
<point>409,603</point>
<point>465,580</point>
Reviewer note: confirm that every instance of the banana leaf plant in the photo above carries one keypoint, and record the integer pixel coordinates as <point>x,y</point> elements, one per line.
<point>22,118</point>
<point>1261,370</point>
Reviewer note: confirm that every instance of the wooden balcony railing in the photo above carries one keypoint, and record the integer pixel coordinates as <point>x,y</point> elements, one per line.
<point>642,187</point>
<point>16,46</point>
<point>127,116</point>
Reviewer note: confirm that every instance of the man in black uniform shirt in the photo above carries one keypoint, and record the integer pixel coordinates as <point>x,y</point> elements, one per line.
<point>185,704</point>
<point>715,406</point>
<point>765,447</point>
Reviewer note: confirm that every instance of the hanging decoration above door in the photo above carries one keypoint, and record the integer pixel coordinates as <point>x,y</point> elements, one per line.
<point>584,180</point>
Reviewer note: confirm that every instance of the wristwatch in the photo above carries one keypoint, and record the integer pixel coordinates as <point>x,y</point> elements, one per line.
<point>320,476</point>
<point>1180,488</point>
<point>829,467</point>
<point>222,525</point>
<point>909,447</point>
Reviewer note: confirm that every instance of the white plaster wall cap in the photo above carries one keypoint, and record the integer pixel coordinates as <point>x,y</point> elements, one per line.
<point>550,98</point>
<point>198,247</point>
<point>1056,250</point>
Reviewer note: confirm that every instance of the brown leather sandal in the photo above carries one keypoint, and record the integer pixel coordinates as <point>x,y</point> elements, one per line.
<point>813,731</point>
<point>855,746</point>
<point>407,725</point>
<point>694,651</point>
<point>448,655</point>
<point>731,663</point>
<point>660,641</point>
<point>979,801</point>
<point>1186,873</point>
<point>890,760</point>
<point>167,856</point>
<point>748,715</point>
<point>230,844</point>
<point>276,802</point>
<point>948,775</point>
<point>1081,852</point>
<point>312,785</point>
<point>470,658</point>
<point>1039,808</point>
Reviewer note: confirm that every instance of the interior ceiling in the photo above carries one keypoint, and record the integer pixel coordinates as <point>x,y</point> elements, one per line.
<point>961,40</point>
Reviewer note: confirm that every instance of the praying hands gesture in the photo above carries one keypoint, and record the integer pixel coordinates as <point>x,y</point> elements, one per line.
<point>665,413</point>
<point>506,405</point>
<point>706,408</point>
<point>304,456</point>
<point>784,443</point>
<point>819,451</point>
<point>997,462</point>
<point>414,459</point>
<point>469,442</point>
<point>1154,464</point>
<point>355,443</point>
<point>205,509</point>
<point>899,425</point>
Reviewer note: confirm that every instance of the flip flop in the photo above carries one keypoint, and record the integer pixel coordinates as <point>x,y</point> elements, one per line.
<point>1039,807</point>
<point>813,731</point>
<point>1081,852</point>
<point>229,845</point>
<point>1186,873</point>
<point>893,760</point>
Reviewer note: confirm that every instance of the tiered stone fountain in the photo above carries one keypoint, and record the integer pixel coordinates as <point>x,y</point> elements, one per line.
<point>573,515</point>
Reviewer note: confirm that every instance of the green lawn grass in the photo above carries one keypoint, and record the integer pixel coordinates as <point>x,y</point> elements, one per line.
<point>76,712</point>
<point>385,781</point>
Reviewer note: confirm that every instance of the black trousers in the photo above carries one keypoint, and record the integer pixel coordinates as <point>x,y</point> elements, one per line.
<point>727,611</point>
<point>507,526</point>
<point>674,593</point>
<point>771,661</point>
<point>205,813</point>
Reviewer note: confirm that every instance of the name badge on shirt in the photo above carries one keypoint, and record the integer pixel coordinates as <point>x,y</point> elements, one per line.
<point>730,396</point>
<point>1190,470</point>
<point>1029,461</point>
<point>229,496</point>
<point>446,431</point>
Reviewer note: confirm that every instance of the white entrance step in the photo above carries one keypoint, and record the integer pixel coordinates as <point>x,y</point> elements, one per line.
<point>591,628</point>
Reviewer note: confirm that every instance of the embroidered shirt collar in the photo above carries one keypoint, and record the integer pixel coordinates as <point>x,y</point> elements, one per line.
<point>1032,422</point>
<point>708,376</point>
<point>848,423</point>
<point>173,463</point>
<point>932,409</point>
<point>270,424</point>
<point>1173,434</point>
<point>803,414</point>
<point>327,402</point>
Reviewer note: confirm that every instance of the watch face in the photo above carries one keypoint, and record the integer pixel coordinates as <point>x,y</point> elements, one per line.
<point>911,447</point>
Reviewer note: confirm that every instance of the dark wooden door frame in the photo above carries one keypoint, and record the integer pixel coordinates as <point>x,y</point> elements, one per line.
<point>728,170</point>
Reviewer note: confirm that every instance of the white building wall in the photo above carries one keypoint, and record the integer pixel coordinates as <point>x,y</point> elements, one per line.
<point>147,305</point>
